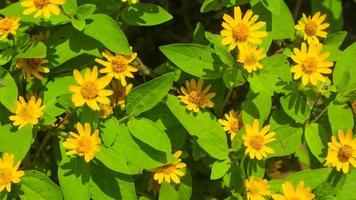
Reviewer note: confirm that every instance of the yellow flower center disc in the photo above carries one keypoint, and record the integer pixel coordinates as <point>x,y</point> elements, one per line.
<point>240,32</point>
<point>89,90</point>
<point>345,153</point>
<point>256,142</point>
<point>309,65</point>
<point>311,28</point>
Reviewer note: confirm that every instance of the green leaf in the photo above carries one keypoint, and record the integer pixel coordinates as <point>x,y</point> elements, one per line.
<point>33,50</point>
<point>18,9</point>
<point>70,7</point>
<point>107,184</point>
<point>344,76</point>
<point>5,56</point>
<point>195,59</point>
<point>89,116</point>
<point>167,191</point>
<point>347,190</point>
<point>295,105</point>
<point>276,68</point>
<point>317,139</point>
<point>255,168</point>
<point>333,10</point>
<point>340,117</point>
<point>144,14</point>
<point>8,90</point>
<point>279,26</point>
<point>288,141</point>
<point>36,185</point>
<point>105,30</point>
<point>78,24</point>
<point>74,44</point>
<point>149,94</point>
<point>273,5</point>
<point>145,156</point>
<point>74,176</point>
<point>219,168</point>
<point>84,11</point>
<point>54,89</point>
<point>147,132</point>
<point>113,159</point>
<point>309,177</point>
<point>162,117</point>
<point>109,131</point>
<point>233,77</point>
<point>332,44</point>
<point>256,106</point>
<point>203,124</point>
<point>17,142</point>
<point>221,50</point>
<point>185,187</point>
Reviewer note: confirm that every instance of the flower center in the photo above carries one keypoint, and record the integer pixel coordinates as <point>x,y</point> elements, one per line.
<point>240,32</point>
<point>250,60</point>
<point>89,90</point>
<point>309,65</point>
<point>5,25</point>
<point>83,145</point>
<point>34,63</point>
<point>27,113</point>
<point>195,97</point>
<point>119,64</point>
<point>256,142</point>
<point>345,153</point>
<point>167,169</point>
<point>234,125</point>
<point>5,176</point>
<point>311,28</point>
<point>41,3</point>
<point>253,190</point>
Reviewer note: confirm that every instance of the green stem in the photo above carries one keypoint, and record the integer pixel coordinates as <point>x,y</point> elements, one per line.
<point>123,119</point>
<point>227,97</point>
<point>313,107</point>
<point>320,114</point>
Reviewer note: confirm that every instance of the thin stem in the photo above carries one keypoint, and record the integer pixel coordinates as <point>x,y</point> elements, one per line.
<point>297,6</point>
<point>320,114</point>
<point>123,119</point>
<point>227,97</point>
<point>313,107</point>
<point>48,136</point>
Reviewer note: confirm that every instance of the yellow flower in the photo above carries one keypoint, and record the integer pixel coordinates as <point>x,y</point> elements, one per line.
<point>299,193</point>
<point>250,57</point>
<point>132,1</point>
<point>8,26</point>
<point>120,93</point>
<point>42,7</point>
<point>105,111</point>
<point>117,66</point>
<point>9,172</point>
<point>311,64</point>
<point>342,153</point>
<point>170,171</point>
<point>32,67</point>
<point>195,97</point>
<point>83,143</point>
<point>312,27</point>
<point>255,140</point>
<point>232,124</point>
<point>257,188</point>
<point>91,89</point>
<point>27,113</point>
<point>241,29</point>
<point>41,36</point>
